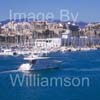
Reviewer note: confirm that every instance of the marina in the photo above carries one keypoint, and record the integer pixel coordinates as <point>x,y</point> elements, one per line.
<point>49,50</point>
<point>41,50</point>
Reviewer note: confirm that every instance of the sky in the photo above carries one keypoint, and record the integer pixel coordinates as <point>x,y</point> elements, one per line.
<point>88,10</point>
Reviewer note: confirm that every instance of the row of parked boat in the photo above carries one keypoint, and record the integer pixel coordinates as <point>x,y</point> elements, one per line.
<point>73,49</point>
<point>15,52</point>
<point>10,52</point>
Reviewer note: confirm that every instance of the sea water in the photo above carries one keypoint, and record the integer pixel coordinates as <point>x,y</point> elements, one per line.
<point>73,65</point>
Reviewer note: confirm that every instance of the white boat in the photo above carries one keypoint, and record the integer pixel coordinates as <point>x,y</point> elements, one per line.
<point>10,52</point>
<point>85,49</point>
<point>93,48</point>
<point>6,52</point>
<point>63,49</point>
<point>71,49</point>
<point>36,62</point>
<point>88,48</point>
<point>32,59</point>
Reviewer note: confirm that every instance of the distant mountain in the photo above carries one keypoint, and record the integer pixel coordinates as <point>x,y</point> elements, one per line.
<point>17,20</point>
<point>4,22</point>
<point>81,24</point>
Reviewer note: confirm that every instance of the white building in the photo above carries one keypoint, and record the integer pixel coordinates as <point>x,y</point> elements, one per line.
<point>48,43</point>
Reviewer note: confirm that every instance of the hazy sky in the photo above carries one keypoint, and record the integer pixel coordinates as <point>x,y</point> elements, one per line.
<point>89,10</point>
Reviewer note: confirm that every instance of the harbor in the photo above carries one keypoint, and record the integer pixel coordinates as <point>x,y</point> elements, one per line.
<point>39,42</point>
<point>24,37</point>
<point>49,50</point>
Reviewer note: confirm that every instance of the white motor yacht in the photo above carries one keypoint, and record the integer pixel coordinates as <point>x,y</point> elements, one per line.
<point>32,59</point>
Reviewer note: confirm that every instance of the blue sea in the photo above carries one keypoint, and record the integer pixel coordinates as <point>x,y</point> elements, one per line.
<point>73,65</point>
